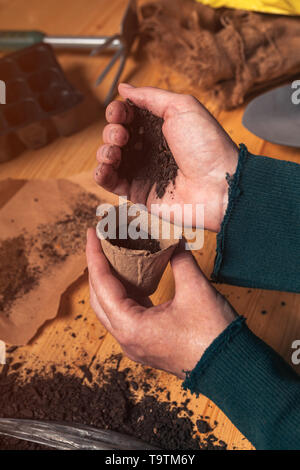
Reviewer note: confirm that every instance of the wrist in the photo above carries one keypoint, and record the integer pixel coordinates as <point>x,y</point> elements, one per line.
<point>198,346</point>
<point>228,173</point>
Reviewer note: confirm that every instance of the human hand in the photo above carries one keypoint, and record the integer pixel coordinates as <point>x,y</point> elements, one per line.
<point>171,336</point>
<point>204,152</point>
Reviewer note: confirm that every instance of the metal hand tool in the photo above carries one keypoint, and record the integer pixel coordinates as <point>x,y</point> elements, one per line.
<point>275,116</point>
<point>120,43</point>
<point>68,437</point>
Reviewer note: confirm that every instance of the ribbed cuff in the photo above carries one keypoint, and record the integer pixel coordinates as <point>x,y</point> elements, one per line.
<point>259,241</point>
<point>253,386</point>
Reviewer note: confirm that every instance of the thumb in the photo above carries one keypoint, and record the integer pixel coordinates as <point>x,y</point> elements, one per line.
<point>189,279</point>
<point>110,292</point>
<point>153,99</point>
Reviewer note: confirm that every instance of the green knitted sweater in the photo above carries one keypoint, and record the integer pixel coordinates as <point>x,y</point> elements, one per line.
<point>259,247</point>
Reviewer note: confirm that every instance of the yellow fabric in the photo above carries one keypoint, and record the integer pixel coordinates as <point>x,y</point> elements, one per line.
<point>280,7</point>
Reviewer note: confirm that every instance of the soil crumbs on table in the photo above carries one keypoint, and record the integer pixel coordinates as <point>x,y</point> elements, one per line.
<point>16,275</point>
<point>147,156</point>
<point>26,258</point>
<point>109,403</point>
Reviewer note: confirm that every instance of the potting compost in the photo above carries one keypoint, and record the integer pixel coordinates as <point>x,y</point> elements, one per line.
<point>109,402</point>
<point>147,156</point>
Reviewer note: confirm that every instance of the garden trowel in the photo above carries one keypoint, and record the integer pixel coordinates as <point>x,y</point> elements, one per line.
<point>275,115</point>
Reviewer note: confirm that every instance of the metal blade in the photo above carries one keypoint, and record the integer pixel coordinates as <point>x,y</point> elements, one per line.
<point>111,63</point>
<point>106,45</point>
<point>274,117</point>
<point>112,89</point>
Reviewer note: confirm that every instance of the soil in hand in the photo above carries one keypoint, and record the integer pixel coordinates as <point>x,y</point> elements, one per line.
<point>147,156</point>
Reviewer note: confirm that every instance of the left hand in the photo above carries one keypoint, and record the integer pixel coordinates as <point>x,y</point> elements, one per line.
<point>172,336</point>
<point>203,151</point>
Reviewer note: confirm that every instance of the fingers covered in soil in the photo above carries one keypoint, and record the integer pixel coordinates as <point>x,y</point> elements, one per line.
<point>106,176</point>
<point>115,134</point>
<point>110,154</point>
<point>118,112</point>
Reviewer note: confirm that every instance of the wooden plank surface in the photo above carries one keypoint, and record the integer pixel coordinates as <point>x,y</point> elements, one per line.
<point>70,156</point>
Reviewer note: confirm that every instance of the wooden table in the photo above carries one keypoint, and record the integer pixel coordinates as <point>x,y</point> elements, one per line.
<point>69,156</point>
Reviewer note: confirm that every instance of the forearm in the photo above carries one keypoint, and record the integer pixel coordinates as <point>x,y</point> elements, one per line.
<point>259,241</point>
<point>253,385</point>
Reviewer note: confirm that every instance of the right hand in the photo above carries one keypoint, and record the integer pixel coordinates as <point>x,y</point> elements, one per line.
<point>204,152</point>
<point>172,336</point>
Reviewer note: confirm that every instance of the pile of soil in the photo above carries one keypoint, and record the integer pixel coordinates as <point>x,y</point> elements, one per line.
<point>26,258</point>
<point>147,156</point>
<point>109,404</point>
<point>16,276</point>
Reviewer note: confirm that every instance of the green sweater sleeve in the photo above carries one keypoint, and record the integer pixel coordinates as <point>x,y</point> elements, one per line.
<point>253,385</point>
<point>258,246</point>
<point>259,241</point>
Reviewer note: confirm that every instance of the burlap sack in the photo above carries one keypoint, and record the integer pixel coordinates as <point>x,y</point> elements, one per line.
<point>225,54</point>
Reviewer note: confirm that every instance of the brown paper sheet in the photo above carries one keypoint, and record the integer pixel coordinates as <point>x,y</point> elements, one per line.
<point>42,247</point>
<point>43,227</point>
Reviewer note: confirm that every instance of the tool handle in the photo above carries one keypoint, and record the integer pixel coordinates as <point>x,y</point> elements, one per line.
<point>19,39</point>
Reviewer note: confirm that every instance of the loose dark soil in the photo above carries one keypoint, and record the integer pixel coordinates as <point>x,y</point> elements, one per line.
<point>203,426</point>
<point>148,244</point>
<point>16,276</point>
<point>147,156</point>
<point>26,258</point>
<point>111,404</point>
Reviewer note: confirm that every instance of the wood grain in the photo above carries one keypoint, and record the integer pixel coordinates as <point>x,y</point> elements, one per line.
<point>69,156</point>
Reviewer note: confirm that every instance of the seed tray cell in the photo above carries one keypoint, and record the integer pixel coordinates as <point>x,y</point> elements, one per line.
<point>40,103</point>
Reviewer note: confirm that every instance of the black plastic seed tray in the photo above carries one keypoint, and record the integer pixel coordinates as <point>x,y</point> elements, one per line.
<point>40,101</point>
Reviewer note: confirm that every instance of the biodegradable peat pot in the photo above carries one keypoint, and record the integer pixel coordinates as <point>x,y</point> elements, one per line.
<point>139,270</point>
